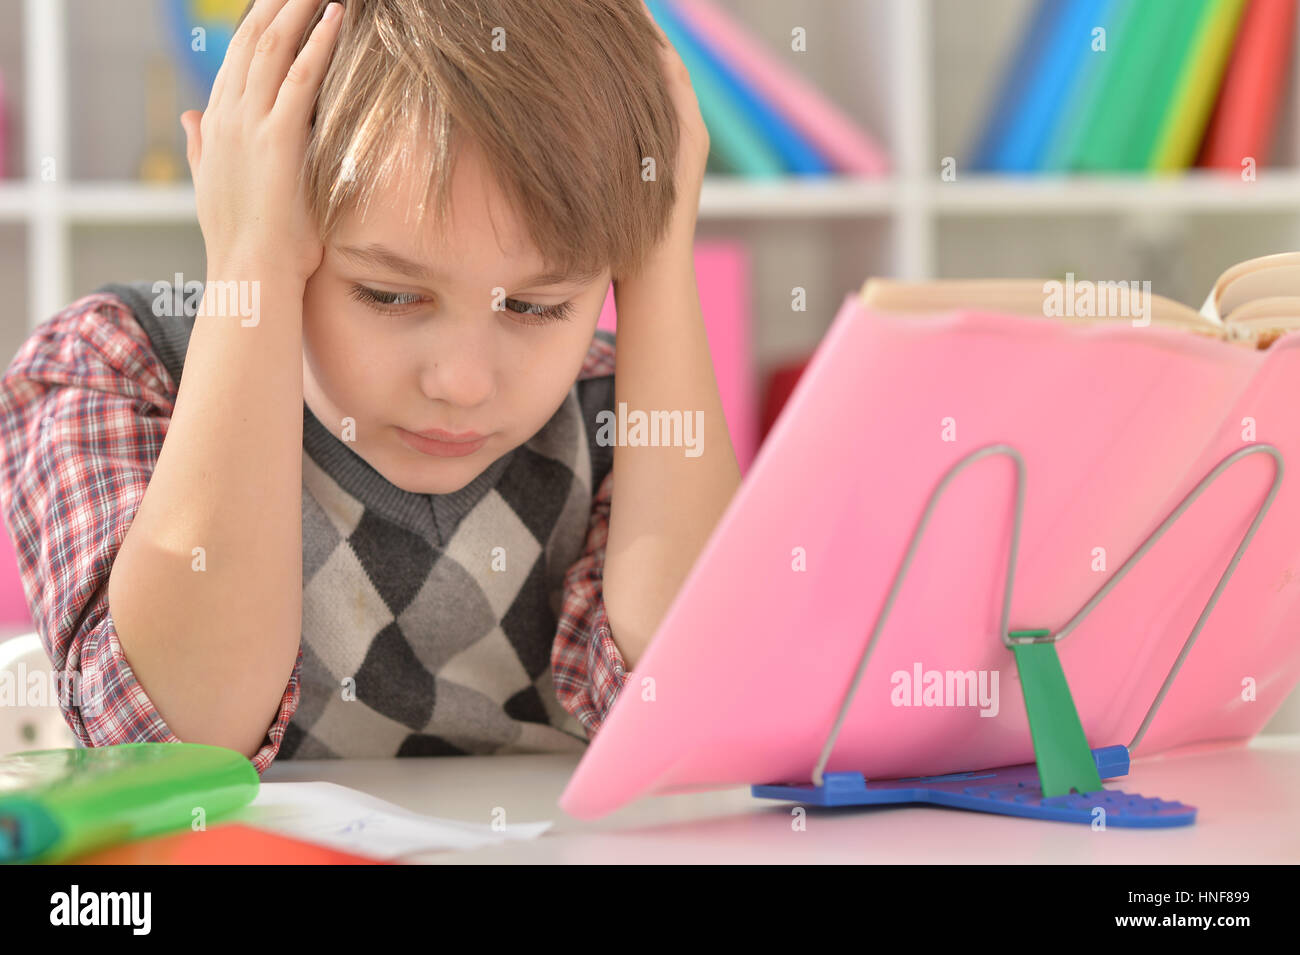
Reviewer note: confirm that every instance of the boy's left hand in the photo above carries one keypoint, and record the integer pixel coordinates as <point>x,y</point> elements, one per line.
<point>693,143</point>
<point>665,503</point>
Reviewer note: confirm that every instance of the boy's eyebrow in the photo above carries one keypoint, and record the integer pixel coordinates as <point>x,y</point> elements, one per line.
<point>382,257</point>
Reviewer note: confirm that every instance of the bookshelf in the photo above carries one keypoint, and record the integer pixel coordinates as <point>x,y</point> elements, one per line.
<point>916,73</point>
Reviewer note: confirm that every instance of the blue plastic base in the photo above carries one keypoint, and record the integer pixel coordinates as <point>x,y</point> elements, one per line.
<point>1011,791</point>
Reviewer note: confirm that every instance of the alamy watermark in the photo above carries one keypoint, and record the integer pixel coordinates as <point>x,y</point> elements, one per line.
<point>922,687</point>
<point>680,429</point>
<point>1085,299</point>
<point>129,909</point>
<point>230,299</point>
<point>43,687</point>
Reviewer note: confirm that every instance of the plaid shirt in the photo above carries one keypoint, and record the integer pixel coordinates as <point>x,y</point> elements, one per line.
<point>84,407</point>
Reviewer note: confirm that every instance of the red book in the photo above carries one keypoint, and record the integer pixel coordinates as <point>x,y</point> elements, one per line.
<point>780,385</point>
<point>228,844</point>
<point>1245,115</point>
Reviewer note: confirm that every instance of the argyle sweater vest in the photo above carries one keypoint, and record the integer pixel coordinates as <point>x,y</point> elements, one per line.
<point>413,642</point>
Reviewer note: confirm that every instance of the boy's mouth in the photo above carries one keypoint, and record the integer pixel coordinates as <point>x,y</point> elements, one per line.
<point>449,437</point>
<point>433,443</point>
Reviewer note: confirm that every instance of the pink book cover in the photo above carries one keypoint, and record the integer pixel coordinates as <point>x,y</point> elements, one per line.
<point>1116,425</point>
<point>798,101</point>
<point>722,277</point>
<point>14,615</point>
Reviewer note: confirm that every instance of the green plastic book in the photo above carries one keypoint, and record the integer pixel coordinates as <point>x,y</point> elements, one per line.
<point>59,803</point>
<point>1179,137</point>
<point>1142,49</point>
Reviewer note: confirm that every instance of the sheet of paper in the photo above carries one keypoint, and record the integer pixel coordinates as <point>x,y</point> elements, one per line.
<point>347,819</point>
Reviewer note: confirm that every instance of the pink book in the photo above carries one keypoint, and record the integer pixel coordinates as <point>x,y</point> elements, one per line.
<point>722,277</point>
<point>1116,423</point>
<point>798,101</point>
<point>14,613</point>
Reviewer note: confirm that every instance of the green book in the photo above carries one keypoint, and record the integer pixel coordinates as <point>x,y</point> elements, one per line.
<point>59,803</point>
<point>1140,50</point>
<point>1157,98</point>
<point>1197,88</point>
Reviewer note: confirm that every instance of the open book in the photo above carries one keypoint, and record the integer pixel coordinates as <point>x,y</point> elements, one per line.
<point>1115,425</point>
<point>1252,303</point>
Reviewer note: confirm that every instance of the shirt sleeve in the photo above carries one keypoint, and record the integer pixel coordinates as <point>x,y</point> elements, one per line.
<point>588,668</point>
<point>84,408</point>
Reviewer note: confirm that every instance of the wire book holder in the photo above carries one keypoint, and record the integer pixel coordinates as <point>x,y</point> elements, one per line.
<point>1064,781</point>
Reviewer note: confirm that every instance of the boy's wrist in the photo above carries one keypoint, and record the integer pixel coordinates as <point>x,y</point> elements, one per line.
<point>252,268</point>
<point>676,249</point>
<point>238,288</point>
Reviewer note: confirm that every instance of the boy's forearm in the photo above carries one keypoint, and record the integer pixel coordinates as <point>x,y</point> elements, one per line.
<point>206,590</point>
<point>665,503</point>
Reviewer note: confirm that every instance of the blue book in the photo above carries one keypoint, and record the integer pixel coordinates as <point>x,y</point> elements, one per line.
<point>735,142</point>
<point>1025,146</point>
<point>996,147</point>
<point>740,142</point>
<point>1084,93</point>
<point>797,154</point>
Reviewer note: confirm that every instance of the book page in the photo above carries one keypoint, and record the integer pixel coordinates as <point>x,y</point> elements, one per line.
<point>353,821</point>
<point>1073,301</point>
<point>1268,276</point>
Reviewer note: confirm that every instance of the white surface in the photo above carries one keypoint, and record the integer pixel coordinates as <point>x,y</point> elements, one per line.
<point>1248,801</point>
<point>22,664</point>
<point>354,821</point>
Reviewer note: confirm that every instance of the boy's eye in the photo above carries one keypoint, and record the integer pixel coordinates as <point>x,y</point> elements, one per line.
<point>543,313</point>
<point>391,301</point>
<point>382,301</point>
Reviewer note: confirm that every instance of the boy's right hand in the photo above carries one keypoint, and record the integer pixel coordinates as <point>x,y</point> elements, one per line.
<point>246,149</point>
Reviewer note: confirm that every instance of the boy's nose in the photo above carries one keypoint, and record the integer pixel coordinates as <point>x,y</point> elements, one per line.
<point>458,369</point>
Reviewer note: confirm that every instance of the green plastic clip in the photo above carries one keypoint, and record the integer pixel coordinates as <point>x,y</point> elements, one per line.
<point>1061,750</point>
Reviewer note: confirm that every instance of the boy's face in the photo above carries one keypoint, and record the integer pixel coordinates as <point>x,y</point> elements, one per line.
<point>433,353</point>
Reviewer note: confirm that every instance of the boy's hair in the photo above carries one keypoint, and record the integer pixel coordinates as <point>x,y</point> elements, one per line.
<point>565,98</point>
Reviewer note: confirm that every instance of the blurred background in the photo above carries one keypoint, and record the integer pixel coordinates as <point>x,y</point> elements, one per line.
<point>1115,139</point>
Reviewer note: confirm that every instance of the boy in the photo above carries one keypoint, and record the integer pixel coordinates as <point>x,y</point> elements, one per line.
<point>297,570</point>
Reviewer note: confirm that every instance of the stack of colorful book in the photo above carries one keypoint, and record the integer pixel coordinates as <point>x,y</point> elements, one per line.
<point>1151,86</point>
<point>764,119</point>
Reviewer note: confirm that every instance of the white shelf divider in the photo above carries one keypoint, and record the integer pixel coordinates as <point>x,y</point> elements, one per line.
<point>913,233</point>
<point>47,235</point>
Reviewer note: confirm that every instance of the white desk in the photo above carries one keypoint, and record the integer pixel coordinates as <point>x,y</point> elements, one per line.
<point>1248,799</point>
